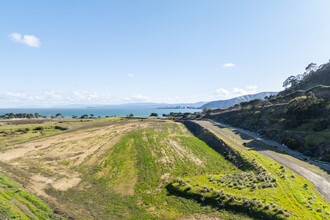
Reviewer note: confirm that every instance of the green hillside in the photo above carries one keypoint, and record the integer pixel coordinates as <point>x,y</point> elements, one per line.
<point>16,203</point>
<point>233,101</point>
<point>313,76</point>
<point>299,116</point>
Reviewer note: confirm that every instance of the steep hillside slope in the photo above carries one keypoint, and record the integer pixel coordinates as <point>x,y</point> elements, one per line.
<point>233,101</point>
<point>265,190</point>
<point>296,117</point>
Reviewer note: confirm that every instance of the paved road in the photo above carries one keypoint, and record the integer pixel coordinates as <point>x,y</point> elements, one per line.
<point>319,178</point>
<point>296,154</point>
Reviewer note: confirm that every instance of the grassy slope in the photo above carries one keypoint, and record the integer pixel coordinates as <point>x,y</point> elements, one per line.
<point>129,180</point>
<point>16,203</point>
<point>293,194</point>
<point>273,122</point>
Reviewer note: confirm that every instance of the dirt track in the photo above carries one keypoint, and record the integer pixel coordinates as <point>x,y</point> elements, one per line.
<point>320,179</point>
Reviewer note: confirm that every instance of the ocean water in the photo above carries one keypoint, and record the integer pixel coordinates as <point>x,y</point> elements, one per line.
<point>103,112</point>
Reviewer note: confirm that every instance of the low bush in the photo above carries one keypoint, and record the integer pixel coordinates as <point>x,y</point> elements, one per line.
<point>60,128</point>
<point>39,128</point>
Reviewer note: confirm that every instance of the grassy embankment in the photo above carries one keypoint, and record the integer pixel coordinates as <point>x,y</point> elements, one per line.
<point>16,203</point>
<point>276,193</point>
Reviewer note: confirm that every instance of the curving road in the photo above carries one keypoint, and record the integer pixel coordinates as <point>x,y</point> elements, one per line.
<point>319,178</point>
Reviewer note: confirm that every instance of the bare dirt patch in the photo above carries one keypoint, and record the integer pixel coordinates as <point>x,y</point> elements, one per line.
<point>52,162</point>
<point>184,152</point>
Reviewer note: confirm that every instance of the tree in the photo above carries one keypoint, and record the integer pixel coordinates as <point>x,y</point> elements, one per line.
<point>36,115</point>
<point>131,115</point>
<point>207,111</point>
<point>84,116</point>
<point>153,115</point>
<point>311,67</point>
<point>290,81</point>
<point>58,115</point>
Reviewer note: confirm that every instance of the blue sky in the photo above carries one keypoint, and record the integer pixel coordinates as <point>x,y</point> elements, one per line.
<point>111,52</point>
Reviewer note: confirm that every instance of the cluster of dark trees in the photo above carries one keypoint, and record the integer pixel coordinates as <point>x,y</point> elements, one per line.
<point>183,115</point>
<point>37,115</point>
<point>21,115</point>
<point>84,116</point>
<point>313,74</point>
<point>301,109</point>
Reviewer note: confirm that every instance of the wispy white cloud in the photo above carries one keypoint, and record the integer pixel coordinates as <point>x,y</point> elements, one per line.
<point>222,93</point>
<point>54,98</point>
<point>29,40</point>
<point>252,87</point>
<point>131,75</point>
<point>139,98</point>
<point>240,92</point>
<point>228,65</point>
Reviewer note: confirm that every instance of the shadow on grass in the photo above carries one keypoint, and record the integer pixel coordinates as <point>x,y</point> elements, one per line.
<point>215,203</point>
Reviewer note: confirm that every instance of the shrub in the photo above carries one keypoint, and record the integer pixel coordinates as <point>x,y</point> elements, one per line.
<point>260,204</point>
<point>39,128</point>
<point>60,128</point>
<point>319,210</point>
<point>320,125</point>
<point>267,207</point>
<point>293,144</point>
<point>22,130</point>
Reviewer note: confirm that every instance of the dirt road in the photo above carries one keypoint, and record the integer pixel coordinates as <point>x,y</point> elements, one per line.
<point>319,178</point>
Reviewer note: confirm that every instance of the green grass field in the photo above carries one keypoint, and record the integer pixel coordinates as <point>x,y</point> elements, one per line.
<point>131,177</point>
<point>120,168</point>
<point>16,203</point>
<point>283,194</point>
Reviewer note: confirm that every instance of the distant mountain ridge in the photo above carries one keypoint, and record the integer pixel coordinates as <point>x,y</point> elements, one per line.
<point>212,104</point>
<point>231,102</point>
<point>138,105</point>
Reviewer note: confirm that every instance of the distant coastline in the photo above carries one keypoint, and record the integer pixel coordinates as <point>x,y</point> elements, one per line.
<point>97,112</point>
